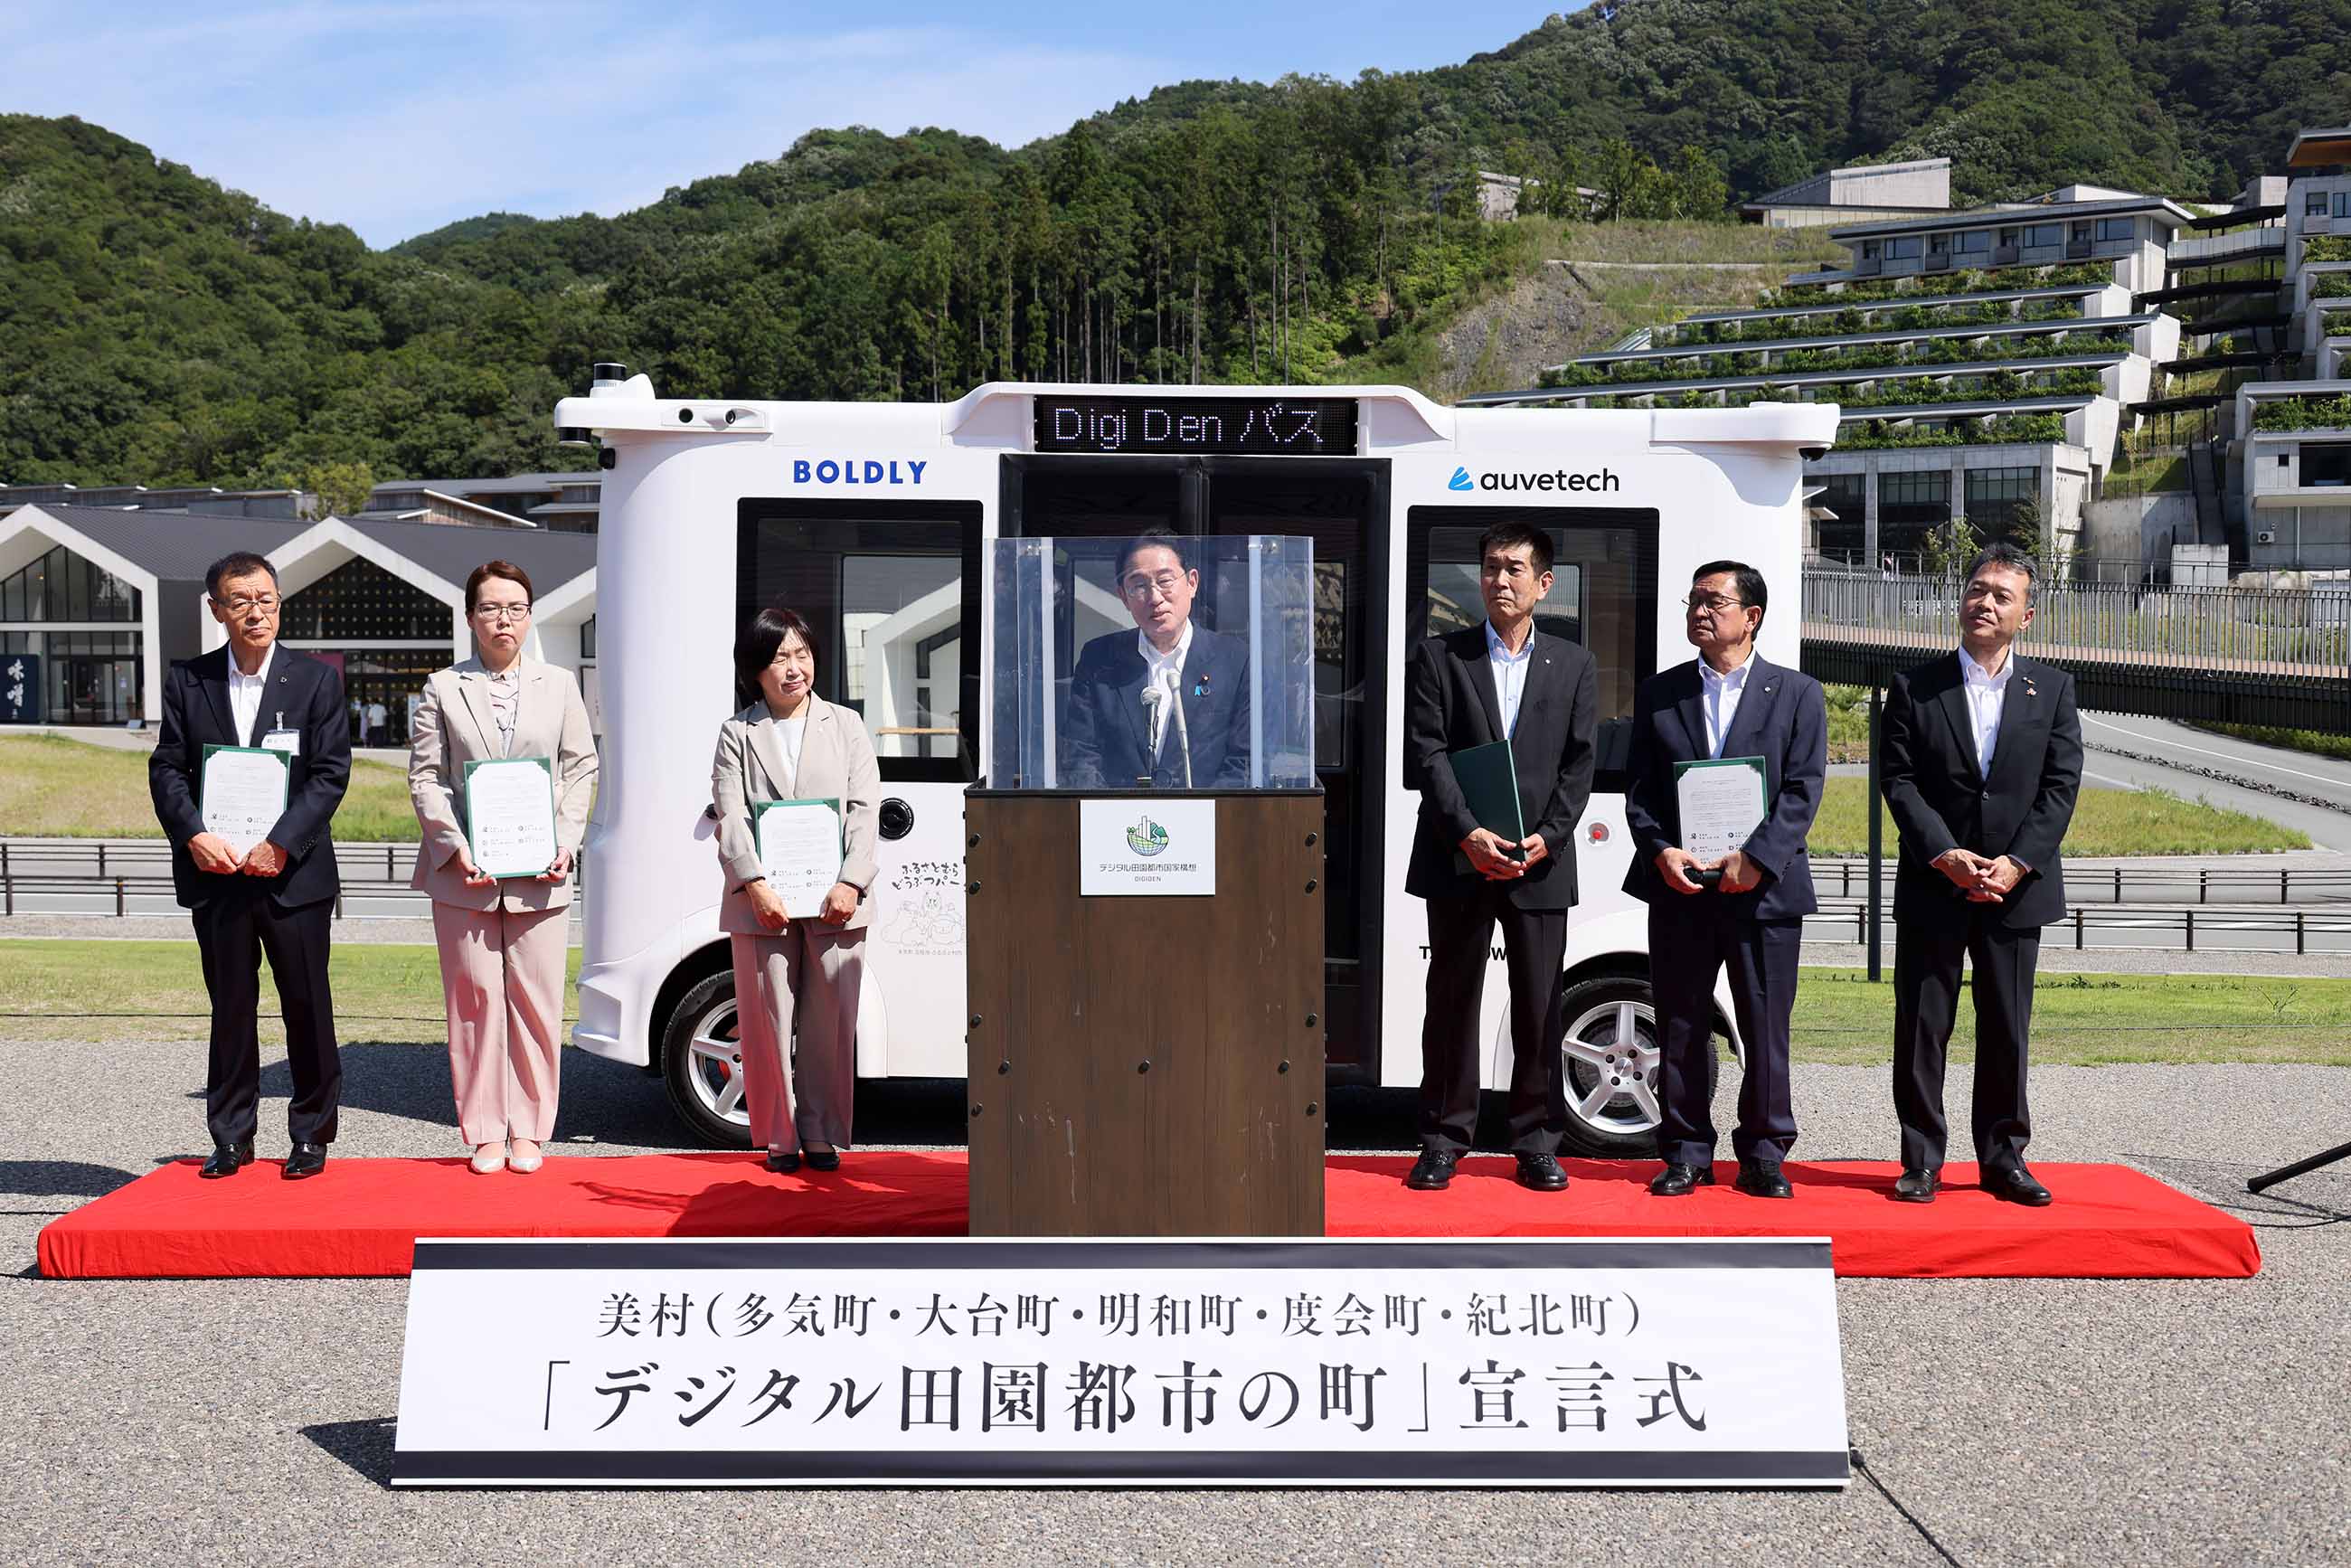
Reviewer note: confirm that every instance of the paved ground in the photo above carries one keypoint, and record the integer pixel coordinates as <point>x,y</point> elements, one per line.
<point>2022,1421</point>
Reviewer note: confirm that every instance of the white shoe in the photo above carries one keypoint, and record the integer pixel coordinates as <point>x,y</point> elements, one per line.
<point>489,1159</point>
<point>521,1162</point>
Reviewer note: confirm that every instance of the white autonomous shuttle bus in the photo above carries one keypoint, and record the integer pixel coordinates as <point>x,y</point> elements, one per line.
<point>875,522</point>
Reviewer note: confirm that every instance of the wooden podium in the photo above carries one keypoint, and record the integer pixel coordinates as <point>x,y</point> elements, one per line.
<point>1145,1065</point>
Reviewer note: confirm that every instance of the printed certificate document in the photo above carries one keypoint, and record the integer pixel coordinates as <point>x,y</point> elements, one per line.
<point>800,845</point>
<point>244,793</point>
<point>510,815</point>
<point>1721,803</point>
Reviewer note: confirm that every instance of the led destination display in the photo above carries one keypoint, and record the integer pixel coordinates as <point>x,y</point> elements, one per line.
<point>1276,427</point>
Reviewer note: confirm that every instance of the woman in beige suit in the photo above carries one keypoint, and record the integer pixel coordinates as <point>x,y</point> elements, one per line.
<point>503,943</point>
<point>790,744</point>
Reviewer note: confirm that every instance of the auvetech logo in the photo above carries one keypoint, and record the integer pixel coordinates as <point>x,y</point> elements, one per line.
<point>1602,480</point>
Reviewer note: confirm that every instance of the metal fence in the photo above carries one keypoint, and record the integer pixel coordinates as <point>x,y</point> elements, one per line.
<point>2301,932</point>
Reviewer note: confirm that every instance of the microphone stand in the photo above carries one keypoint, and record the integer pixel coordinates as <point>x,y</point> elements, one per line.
<point>1183,738</point>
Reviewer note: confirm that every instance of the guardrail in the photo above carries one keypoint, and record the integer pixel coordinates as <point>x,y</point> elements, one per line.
<point>2205,886</point>
<point>2221,929</point>
<point>142,869</point>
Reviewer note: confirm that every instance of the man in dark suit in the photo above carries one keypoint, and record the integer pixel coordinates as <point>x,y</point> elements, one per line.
<point>277,898</point>
<point>1745,909</point>
<point>1983,759</point>
<point>1167,709</point>
<point>1499,679</point>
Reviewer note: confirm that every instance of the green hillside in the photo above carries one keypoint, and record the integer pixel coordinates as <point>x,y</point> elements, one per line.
<point>154,326</point>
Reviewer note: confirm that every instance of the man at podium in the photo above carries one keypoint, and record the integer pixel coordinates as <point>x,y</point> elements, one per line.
<point>1499,690</point>
<point>1168,707</point>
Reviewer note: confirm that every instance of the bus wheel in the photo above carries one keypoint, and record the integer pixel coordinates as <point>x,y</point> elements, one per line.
<point>1609,1058</point>
<point>702,1063</point>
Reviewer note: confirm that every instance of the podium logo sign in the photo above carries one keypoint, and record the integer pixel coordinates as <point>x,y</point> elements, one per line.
<point>1164,849</point>
<point>1598,1362</point>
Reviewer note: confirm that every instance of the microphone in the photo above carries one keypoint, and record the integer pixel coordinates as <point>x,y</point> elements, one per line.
<point>1153,697</point>
<point>1183,733</point>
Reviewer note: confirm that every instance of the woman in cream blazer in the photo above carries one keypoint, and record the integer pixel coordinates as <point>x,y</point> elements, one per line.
<point>795,974</point>
<point>503,943</point>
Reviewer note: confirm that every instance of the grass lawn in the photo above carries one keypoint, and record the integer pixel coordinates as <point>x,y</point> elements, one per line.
<point>2092,1021</point>
<point>392,994</point>
<point>54,788</point>
<point>2105,822</point>
<point>102,990</point>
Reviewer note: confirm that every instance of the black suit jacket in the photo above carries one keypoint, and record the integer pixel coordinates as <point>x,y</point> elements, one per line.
<point>1106,734</point>
<point>196,713</point>
<point>2019,807</point>
<point>1783,717</point>
<point>1449,706</point>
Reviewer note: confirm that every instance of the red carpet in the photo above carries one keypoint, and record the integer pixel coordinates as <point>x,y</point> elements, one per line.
<point>361,1216</point>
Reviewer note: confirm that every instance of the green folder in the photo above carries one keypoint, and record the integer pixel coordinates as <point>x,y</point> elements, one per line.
<point>1489,776</point>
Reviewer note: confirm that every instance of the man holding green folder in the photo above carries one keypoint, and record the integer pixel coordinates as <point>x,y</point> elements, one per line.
<point>1499,722</point>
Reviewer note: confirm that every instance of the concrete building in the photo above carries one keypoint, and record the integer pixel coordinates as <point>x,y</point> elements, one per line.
<point>564,503</point>
<point>95,601</point>
<point>1918,188</point>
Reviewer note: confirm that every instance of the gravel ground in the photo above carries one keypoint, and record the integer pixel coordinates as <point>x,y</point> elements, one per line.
<point>2022,1421</point>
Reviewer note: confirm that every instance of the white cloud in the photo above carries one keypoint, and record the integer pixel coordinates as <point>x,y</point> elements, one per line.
<point>395,118</point>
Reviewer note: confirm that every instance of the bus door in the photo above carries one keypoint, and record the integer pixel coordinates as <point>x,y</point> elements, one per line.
<point>1341,504</point>
<point>890,589</point>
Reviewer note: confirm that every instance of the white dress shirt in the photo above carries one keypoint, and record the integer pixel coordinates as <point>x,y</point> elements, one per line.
<point>1987,700</point>
<point>1722,693</point>
<point>1164,671</point>
<point>1509,674</point>
<point>245,692</point>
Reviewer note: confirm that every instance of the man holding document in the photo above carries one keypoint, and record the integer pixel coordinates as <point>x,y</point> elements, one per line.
<point>251,763</point>
<point>1729,753</point>
<point>1499,722</point>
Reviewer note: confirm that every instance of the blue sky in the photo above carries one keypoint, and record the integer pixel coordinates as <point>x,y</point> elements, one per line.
<point>395,116</point>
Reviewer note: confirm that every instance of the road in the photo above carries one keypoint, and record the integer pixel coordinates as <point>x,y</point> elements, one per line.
<point>2021,1421</point>
<point>2175,756</point>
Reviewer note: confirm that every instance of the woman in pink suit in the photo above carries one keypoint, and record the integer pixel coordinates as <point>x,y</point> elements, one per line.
<point>503,942</point>
<point>795,976</point>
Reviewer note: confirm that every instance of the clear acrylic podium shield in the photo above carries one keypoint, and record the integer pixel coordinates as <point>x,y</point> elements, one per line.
<point>1145,866</point>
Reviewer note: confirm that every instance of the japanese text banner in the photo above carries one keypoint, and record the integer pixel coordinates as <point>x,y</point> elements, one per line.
<point>1477,1362</point>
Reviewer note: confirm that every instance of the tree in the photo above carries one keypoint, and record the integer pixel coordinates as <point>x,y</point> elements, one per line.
<point>335,489</point>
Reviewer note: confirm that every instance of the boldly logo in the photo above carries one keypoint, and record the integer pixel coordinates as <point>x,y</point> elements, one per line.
<point>856,471</point>
<point>1146,838</point>
<point>1461,480</point>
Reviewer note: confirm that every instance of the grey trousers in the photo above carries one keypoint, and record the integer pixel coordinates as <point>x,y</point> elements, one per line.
<point>796,1016</point>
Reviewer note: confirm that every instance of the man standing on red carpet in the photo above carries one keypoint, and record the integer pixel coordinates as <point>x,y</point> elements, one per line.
<point>276,897</point>
<point>1983,759</point>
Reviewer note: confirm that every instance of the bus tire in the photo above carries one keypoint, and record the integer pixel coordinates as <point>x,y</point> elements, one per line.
<point>702,1066</point>
<point>1612,1037</point>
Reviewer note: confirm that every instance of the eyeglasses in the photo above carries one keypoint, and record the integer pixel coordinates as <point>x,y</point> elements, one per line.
<point>503,611</point>
<point>1142,587</point>
<point>266,603</point>
<point>1712,603</point>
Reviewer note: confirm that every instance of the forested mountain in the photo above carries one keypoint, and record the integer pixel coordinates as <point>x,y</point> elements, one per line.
<point>156,327</point>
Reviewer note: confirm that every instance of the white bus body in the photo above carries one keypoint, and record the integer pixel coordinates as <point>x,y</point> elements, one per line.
<point>873,520</point>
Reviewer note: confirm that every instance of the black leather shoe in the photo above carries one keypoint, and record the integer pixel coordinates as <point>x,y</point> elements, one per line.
<point>1680,1181</point>
<point>1917,1186</point>
<point>307,1160</point>
<point>2016,1186</point>
<point>1542,1173</point>
<point>1433,1172</point>
<point>226,1161</point>
<point>1759,1179</point>
<point>783,1165</point>
<point>821,1159</point>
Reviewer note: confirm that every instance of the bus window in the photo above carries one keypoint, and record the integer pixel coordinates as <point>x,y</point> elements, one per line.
<point>889,587</point>
<point>1603,595</point>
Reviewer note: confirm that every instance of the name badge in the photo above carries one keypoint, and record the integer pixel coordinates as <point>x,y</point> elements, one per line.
<point>289,741</point>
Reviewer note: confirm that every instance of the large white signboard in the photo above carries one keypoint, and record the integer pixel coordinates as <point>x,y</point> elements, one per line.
<point>1011,1362</point>
<point>1147,846</point>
